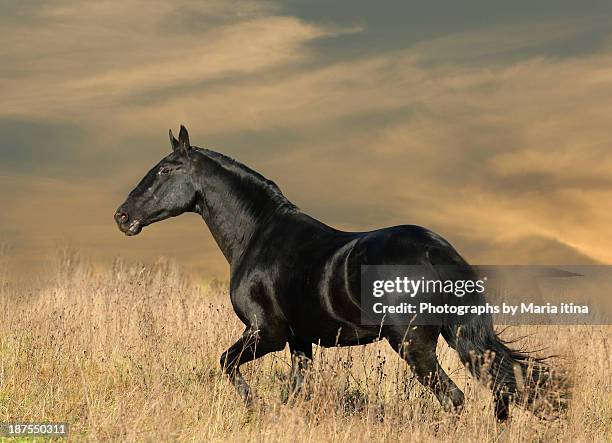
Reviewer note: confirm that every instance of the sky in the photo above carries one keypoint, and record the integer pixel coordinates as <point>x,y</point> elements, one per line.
<point>487,122</point>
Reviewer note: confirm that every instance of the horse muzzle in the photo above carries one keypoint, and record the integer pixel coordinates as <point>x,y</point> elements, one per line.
<point>127,226</point>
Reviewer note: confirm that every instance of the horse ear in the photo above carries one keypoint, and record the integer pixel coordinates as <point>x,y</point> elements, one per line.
<point>184,144</point>
<point>174,143</point>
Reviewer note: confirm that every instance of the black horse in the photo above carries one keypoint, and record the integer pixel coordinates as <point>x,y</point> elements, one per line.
<point>296,280</point>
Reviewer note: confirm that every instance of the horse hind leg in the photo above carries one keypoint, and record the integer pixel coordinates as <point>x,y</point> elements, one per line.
<point>421,357</point>
<point>502,406</point>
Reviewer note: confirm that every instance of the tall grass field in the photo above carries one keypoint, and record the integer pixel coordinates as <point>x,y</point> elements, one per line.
<point>131,353</point>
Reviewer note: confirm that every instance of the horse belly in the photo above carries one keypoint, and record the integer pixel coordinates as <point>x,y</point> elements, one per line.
<point>329,317</point>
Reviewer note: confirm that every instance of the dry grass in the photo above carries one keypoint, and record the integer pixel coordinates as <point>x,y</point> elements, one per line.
<point>131,354</point>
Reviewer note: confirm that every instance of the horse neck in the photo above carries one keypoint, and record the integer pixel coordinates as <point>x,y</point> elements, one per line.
<point>233,201</point>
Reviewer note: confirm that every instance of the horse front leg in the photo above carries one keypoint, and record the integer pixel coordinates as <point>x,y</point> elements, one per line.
<point>301,358</point>
<point>252,345</point>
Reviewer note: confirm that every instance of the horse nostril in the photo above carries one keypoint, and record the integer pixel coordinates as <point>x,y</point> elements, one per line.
<point>121,217</point>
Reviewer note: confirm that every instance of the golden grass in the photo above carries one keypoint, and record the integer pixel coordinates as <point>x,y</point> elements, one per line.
<point>131,353</point>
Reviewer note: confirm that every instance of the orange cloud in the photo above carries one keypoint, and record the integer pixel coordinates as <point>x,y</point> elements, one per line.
<point>492,155</point>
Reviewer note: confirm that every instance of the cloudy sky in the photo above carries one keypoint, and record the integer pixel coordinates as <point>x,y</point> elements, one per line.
<point>488,122</point>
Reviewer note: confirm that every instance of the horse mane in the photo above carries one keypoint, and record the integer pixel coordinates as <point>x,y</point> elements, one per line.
<point>233,165</point>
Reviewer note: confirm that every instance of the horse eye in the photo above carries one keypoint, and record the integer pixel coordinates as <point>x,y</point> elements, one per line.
<point>164,170</point>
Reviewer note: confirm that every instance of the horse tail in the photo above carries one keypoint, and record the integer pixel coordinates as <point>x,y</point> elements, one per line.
<point>512,375</point>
